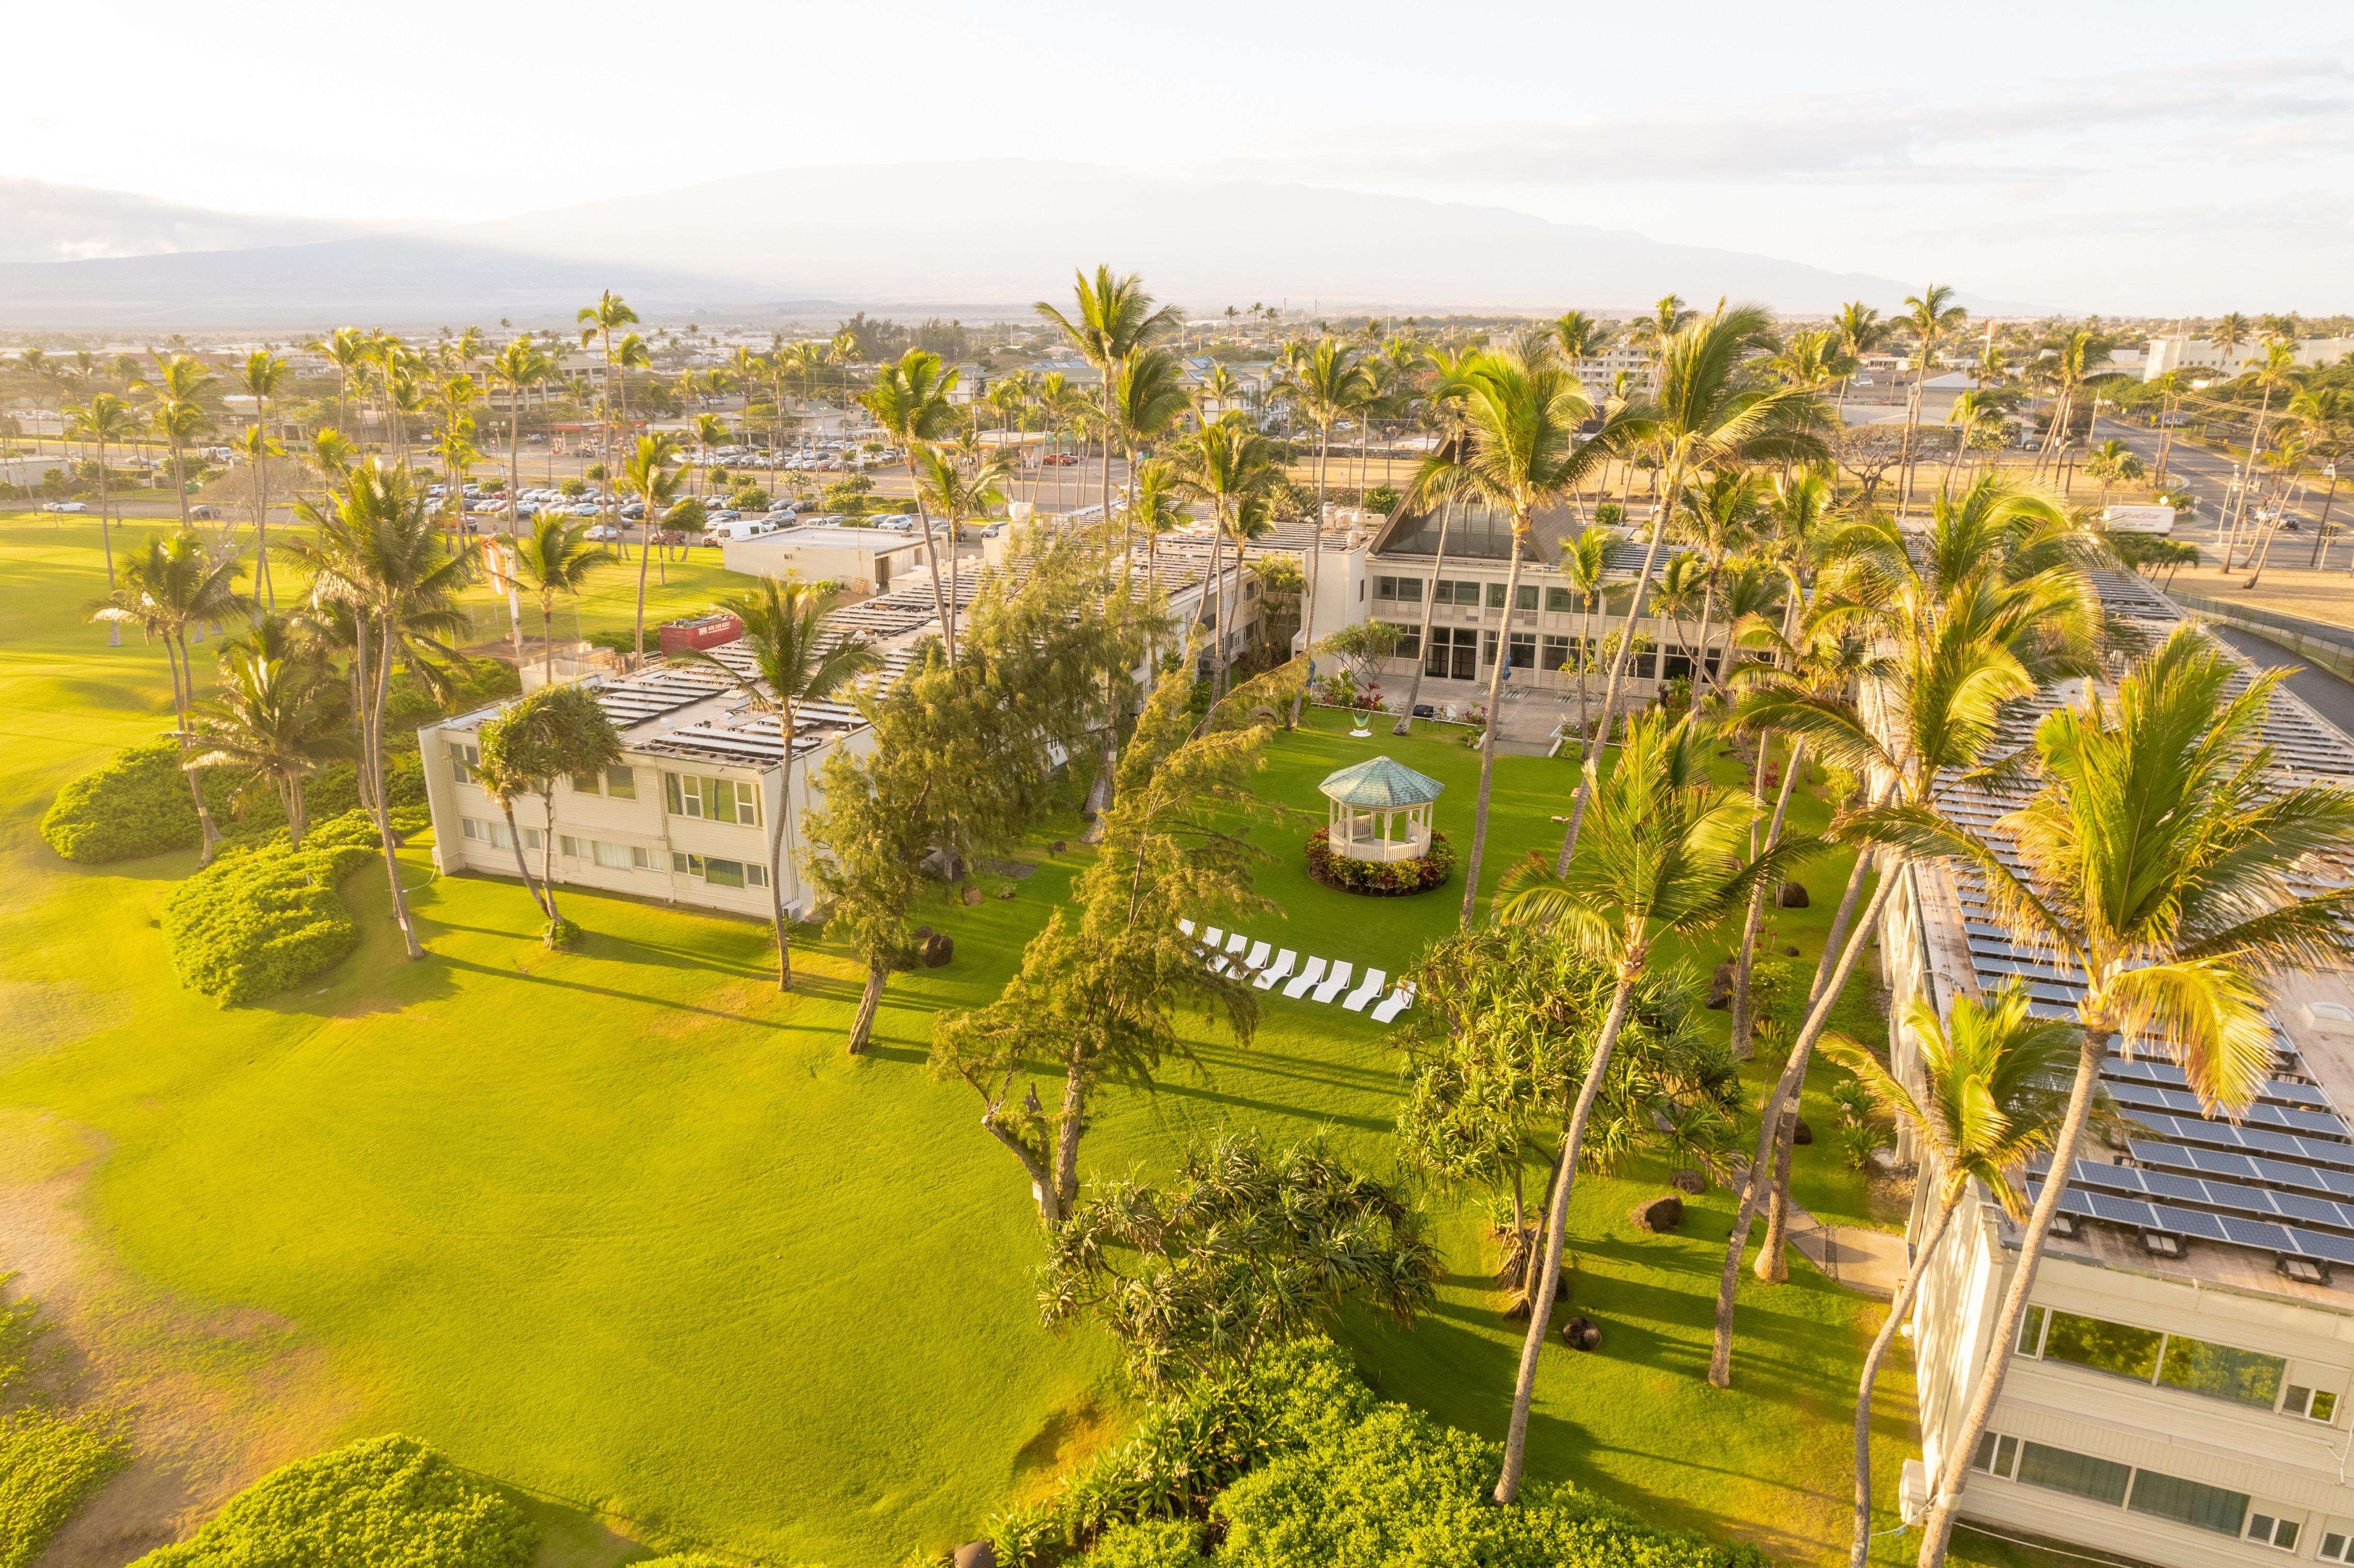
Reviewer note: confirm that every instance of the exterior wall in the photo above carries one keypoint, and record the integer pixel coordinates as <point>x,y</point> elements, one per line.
<point>2178,352</point>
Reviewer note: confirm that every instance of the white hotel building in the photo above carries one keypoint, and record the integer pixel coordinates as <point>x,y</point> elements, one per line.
<point>2182,1393</point>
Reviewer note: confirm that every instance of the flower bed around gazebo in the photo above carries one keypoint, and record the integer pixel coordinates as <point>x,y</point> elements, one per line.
<point>1379,879</point>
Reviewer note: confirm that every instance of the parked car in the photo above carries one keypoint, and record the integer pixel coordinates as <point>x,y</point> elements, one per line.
<point>65,506</point>
<point>587,509</point>
<point>633,511</point>
<point>203,514</point>
<point>604,533</point>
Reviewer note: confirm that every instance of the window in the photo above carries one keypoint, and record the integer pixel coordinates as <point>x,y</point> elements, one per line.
<point>613,857</point>
<point>621,783</point>
<point>2312,1403</point>
<point>2189,1503</point>
<point>687,864</point>
<point>2268,1530</point>
<point>2031,1331</point>
<point>2334,1545</point>
<point>721,872</point>
<point>1452,653</point>
<point>532,838</point>
<point>463,760</point>
<point>2078,1475</point>
<point>1554,654</point>
<point>1400,590</point>
<point>2220,1373</point>
<point>2111,1348</point>
<point>1409,641</point>
<point>1450,591</point>
<point>1560,601</point>
<point>1998,1457</point>
<point>1525,597</point>
<point>724,872</point>
<point>587,784</point>
<point>495,835</point>
<point>715,800</point>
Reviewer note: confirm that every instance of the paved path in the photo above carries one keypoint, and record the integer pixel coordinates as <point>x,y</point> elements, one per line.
<point>2324,690</point>
<point>1872,1262</point>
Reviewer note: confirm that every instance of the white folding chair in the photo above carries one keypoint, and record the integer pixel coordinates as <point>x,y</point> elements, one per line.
<point>1258,960</point>
<point>1368,989</point>
<point>1334,981</point>
<point>1237,942</point>
<point>1217,965</point>
<point>1308,977</point>
<point>1397,1001</point>
<point>1186,926</point>
<point>1283,962</point>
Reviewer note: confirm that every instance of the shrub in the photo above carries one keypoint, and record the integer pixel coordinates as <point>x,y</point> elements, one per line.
<point>261,919</point>
<point>50,1465</point>
<point>134,804</point>
<point>384,1502</point>
<point>1377,879</point>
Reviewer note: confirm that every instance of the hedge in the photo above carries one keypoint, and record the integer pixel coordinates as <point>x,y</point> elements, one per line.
<point>260,919</point>
<point>1298,1465</point>
<point>1379,879</point>
<point>50,1465</point>
<point>137,803</point>
<point>384,1502</point>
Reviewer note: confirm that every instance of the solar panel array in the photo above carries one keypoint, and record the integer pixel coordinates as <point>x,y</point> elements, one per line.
<point>2174,1220</point>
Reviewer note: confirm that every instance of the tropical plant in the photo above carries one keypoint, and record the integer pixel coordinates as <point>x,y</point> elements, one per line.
<point>1990,1078</point>
<point>1226,463</point>
<point>1933,318</point>
<point>1325,385</point>
<point>796,659</point>
<point>515,369</point>
<point>2159,857</point>
<point>650,476</point>
<point>2277,373</point>
<point>167,592</point>
<point>276,718</point>
<point>264,375</point>
<point>177,412</point>
<point>556,557</point>
<point>105,421</point>
<point>1663,859</point>
<point>911,401</point>
<point>1859,329</point>
<point>557,733</point>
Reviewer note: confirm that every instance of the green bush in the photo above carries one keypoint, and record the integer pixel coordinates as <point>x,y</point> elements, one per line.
<point>1379,879</point>
<point>385,1502</point>
<point>134,804</point>
<point>261,919</point>
<point>1154,1543</point>
<point>50,1465</point>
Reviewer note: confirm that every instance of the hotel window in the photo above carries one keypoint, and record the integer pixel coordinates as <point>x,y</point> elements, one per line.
<point>1409,641</point>
<point>619,783</point>
<point>2165,1360</point>
<point>1560,601</point>
<point>495,833</point>
<point>463,760</point>
<point>1399,590</point>
<point>2189,1503</point>
<point>1524,598</point>
<point>712,799</point>
<point>2312,1404</point>
<point>2271,1530</point>
<point>2336,1546</point>
<point>721,872</point>
<point>2078,1475</point>
<point>1997,1455</point>
<point>1554,654</point>
<point>1454,590</point>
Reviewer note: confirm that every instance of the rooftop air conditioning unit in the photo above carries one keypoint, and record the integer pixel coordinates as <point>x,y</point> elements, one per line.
<point>2304,1270</point>
<point>2161,1243</point>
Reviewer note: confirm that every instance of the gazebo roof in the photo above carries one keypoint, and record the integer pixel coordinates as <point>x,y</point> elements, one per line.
<point>1381,784</point>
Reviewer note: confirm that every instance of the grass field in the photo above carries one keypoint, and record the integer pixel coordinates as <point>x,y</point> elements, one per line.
<point>626,1230</point>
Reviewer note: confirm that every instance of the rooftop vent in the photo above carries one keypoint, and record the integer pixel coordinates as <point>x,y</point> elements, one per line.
<point>2159,1243</point>
<point>2305,1270</point>
<point>2064,1225</point>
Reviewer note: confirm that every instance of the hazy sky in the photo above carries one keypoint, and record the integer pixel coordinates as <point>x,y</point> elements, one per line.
<point>2143,157</point>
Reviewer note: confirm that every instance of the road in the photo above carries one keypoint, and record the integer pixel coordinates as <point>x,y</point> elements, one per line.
<point>2324,690</point>
<point>2208,476</point>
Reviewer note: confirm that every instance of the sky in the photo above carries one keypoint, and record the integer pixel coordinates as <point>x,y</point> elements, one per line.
<point>2150,157</point>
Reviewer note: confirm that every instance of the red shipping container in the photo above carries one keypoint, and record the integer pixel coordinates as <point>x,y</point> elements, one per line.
<point>703,632</point>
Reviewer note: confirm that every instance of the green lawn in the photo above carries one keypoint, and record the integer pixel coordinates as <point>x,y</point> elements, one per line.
<point>621,1227</point>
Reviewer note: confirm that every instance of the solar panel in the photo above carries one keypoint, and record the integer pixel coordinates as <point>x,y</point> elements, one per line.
<point>2224,1134</point>
<point>2165,1186</point>
<point>2180,1102</point>
<point>2167,1072</point>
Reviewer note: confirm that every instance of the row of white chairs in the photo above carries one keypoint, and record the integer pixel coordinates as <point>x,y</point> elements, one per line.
<point>1318,981</point>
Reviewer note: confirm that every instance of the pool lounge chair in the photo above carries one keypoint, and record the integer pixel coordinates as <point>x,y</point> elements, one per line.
<point>1334,981</point>
<point>1308,977</point>
<point>1365,992</point>
<point>1282,967</point>
<point>1397,1001</point>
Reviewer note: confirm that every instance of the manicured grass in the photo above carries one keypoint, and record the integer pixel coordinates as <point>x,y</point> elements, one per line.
<point>623,1227</point>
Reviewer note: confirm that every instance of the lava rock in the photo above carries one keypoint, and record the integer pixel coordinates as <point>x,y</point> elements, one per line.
<point>1582,1334</point>
<point>922,932</point>
<point>938,948</point>
<point>1692,1182</point>
<point>1792,896</point>
<point>1660,1215</point>
<point>973,895</point>
<point>1802,1133</point>
<point>1720,987</point>
<point>976,1555</point>
<point>1789,952</point>
<point>1057,847</point>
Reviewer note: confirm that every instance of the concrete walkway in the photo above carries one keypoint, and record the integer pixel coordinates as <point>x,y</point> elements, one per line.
<point>1872,1262</point>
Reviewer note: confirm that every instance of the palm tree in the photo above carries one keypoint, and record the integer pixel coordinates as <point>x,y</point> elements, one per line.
<point>2071,367</point>
<point>515,369</point>
<point>2326,414</point>
<point>2112,462</point>
<point>1577,336</point>
<point>373,555</point>
<point>1720,515</point>
<point>504,770</point>
<point>2277,373</point>
<point>1860,330</point>
<point>649,476</point>
<point>1585,567</point>
<point>2227,334</point>
<point>556,557</point>
<point>1519,453</point>
<point>275,718</point>
<point>1812,360</point>
<point>796,659</point>
<point>263,376</point>
<point>1989,1100</point>
<point>2159,859</point>
<point>1155,506</point>
<point>105,421</point>
<point>177,412</point>
<point>1663,861</point>
<point>1112,320</point>
<point>1444,399</point>
<point>1933,317</point>
<point>1225,463</point>
<point>347,349</point>
<point>956,494</point>
<point>911,401</point>
<point>597,323</point>
<point>1325,384</point>
<point>1713,406</point>
<point>167,592</point>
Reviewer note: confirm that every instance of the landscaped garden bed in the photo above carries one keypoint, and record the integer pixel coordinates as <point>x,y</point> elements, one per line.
<point>1379,879</point>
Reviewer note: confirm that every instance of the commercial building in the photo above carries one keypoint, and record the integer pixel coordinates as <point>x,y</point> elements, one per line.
<point>2180,1392</point>
<point>2184,353</point>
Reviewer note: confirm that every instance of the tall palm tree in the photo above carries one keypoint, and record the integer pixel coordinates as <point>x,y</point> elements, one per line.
<point>167,592</point>
<point>960,493</point>
<point>2159,859</point>
<point>1933,317</point>
<point>1577,336</point>
<point>105,421</point>
<point>1715,405</point>
<point>1519,454</point>
<point>911,401</point>
<point>796,659</point>
<point>373,554</point>
<point>1156,506</point>
<point>2071,365</point>
<point>1860,330</point>
<point>556,557</point>
<point>1989,1100</point>
<point>1112,318</point>
<point>2326,415</point>
<point>1812,359</point>
<point>2277,373</point>
<point>1324,385</point>
<point>515,369</point>
<point>597,322</point>
<point>1443,399</point>
<point>276,718</point>
<point>649,476</point>
<point>2227,334</point>
<point>1585,568</point>
<point>1225,463</point>
<point>1663,861</point>
<point>346,348</point>
<point>264,375</point>
<point>177,411</point>
<point>1720,515</point>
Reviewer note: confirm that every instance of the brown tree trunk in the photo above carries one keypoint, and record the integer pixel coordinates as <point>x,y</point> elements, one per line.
<point>1495,721</point>
<point>1860,1547</point>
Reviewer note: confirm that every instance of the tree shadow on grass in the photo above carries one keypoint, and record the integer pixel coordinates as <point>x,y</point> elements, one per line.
<point>615,993</point>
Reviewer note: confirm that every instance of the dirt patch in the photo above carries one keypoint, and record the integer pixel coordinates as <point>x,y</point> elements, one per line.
<point>214,1398</point>
<point>1073,1433</point>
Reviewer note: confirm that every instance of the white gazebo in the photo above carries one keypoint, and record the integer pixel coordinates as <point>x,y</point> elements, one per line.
<point>1381,811</point>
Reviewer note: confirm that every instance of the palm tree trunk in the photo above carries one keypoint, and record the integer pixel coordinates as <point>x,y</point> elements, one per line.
<point>776,831</point>
<point>1793,1073</point>
<point>531,883</point>
<point>261,517</point>
<point>372,746</point>
<point>1215,586</point>
<point>1315,559</point>
<point>870,1002</point>
<point>1862,1546</point>
<point>547,853</point>
<point>1516,1438</point>
<point>1939,1525</point>
<point>1429,605</point>
<point>932,559</point>
<point>1702,679</point>
<point>1619,666</point>
<point>2321,532</point>
<point>1744,964</point>
<point>1495,721</point>
<point>184,690</point>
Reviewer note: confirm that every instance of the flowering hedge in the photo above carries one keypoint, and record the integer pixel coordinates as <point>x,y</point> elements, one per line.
<point>1378,879</point>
